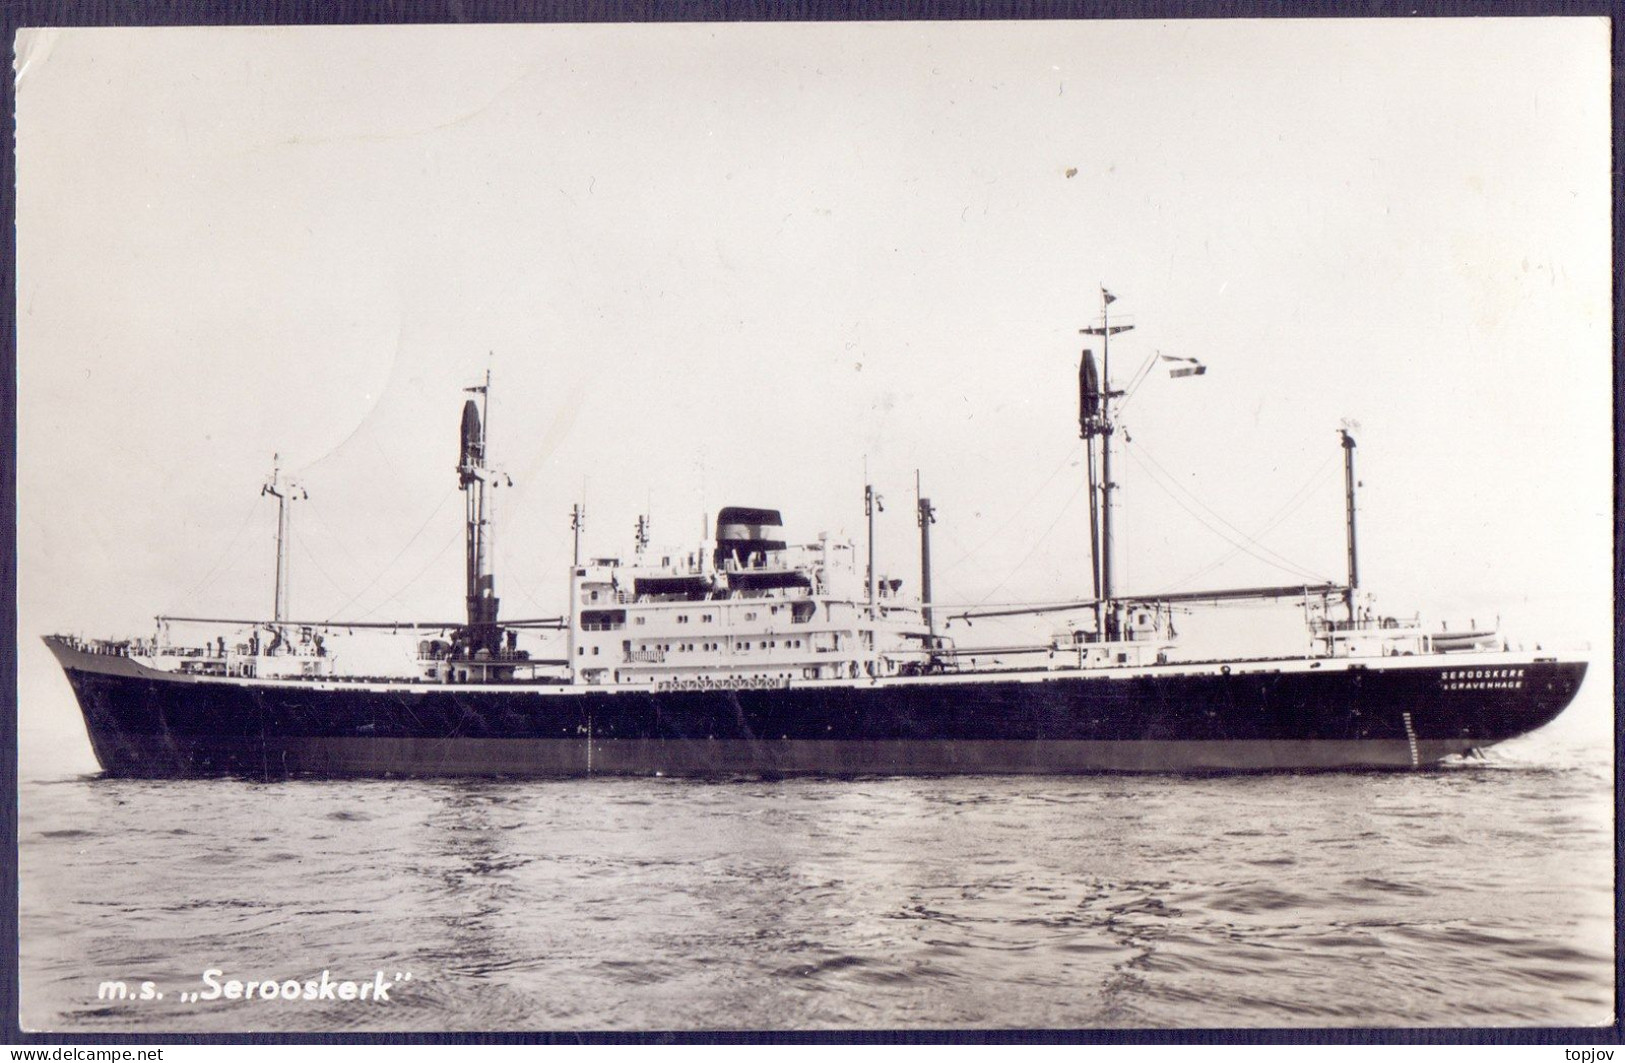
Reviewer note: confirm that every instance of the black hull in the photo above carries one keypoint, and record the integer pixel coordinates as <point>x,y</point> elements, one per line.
<point>1254,718</point>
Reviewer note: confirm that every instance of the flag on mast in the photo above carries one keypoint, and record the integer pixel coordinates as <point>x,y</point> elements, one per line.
<point>1189,366</point>
<point>1107,296</point>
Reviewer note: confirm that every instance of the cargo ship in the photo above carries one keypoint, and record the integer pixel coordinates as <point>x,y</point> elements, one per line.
<point>751,654</point>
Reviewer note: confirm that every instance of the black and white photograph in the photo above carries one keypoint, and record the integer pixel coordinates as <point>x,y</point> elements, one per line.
<point>815,527</point>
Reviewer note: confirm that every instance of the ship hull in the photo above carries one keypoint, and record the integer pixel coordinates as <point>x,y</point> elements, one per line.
<point>1264,716</point>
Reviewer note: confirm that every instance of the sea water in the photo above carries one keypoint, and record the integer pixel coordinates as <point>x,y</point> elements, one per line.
<point>1479,894</point>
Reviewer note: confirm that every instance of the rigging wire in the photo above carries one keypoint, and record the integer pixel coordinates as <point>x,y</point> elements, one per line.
<point>511,575</point>
<point>529,597</point>
<point>311,555</point>
<point>1174,481</point>
<point>1278,562</point>
<point>228,553</point>
<point>1014,513</point>
<point>395,597</point>
<point>338,541</point>
<point>511,570</point>
<point>1036,544</point>
<point>421,528</point>
<point>1140,377</point>
<point>1311,488</point>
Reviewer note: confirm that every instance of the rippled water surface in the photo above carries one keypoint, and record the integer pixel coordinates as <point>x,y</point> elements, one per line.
<point>1474,895</point>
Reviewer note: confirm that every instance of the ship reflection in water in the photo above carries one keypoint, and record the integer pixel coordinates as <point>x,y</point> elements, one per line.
<point>1471,896</point>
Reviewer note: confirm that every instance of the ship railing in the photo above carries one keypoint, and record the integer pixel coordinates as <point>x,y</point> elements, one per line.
<point>113,647</point>
<point>499,657</point>
<point>99,647</point>
<point>186,651</point>
<point>1128,636</point>
<point>1388,626</point>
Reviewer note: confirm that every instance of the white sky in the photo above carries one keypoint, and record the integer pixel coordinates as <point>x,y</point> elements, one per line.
<point>721,264</point>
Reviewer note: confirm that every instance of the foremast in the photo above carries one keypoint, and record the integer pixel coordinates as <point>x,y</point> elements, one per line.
<point>285,491</point>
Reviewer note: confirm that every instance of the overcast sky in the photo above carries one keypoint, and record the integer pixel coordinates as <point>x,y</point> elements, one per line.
<point>725,264</point>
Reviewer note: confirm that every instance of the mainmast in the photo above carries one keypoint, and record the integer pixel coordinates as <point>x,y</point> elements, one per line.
<point>475,476</point>
<point>1348,492</point>
<point>1099,425</point>
<point>285,492</point>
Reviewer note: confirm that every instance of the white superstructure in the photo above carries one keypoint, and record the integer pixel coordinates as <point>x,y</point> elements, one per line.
<point>744,608</point>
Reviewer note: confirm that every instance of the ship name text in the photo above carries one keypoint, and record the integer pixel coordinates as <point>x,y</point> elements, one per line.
<point>1482,679</point>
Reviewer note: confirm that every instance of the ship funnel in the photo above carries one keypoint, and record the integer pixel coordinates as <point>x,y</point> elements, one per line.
<point>745,535</point>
